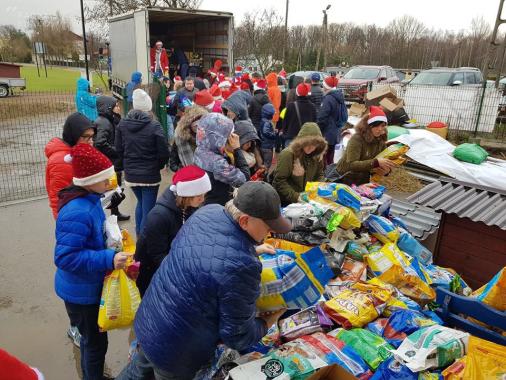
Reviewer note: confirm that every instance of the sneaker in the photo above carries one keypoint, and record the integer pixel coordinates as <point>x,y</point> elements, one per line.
<point>73,333</point>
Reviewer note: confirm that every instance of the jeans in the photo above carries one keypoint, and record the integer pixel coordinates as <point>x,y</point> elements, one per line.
<point>146,199</point>
<point>93,343</point>
<point>140,368</point>
<point>183,70</point>
<point>267,155</point>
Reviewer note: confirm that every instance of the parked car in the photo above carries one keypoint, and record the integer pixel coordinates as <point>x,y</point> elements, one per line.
<point>305,74</point>
<point>444,76</point>
<point>354,83</point>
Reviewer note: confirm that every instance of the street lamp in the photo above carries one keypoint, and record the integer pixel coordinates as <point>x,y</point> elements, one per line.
<point>323,40</point>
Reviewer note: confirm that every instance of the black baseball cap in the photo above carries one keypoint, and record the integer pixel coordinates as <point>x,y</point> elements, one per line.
<point>260,200</point>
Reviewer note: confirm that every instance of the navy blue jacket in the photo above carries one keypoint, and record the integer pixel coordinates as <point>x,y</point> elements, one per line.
<point>256,103</point>
<point>332,116</point>
<point>80,253</point>
<point>268,134</point>
<point>203,293</point>
<point>142,147</point>
<point>162,225</point>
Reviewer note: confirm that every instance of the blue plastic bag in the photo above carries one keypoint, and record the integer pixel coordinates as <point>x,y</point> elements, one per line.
<point>413,247</point>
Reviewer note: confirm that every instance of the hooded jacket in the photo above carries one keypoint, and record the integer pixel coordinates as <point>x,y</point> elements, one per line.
<point>238,104</point>
<point>162,225</point>
<point>274,94</point>
<point>256,103</point>
<point>184,146</point>
<point>246,131</point>
<point>142,148</point>
<point>269,135</point>
<point>86,103</point>
<point>203,293</point>
<point>332,116</point>
<point>106,123</point>
<point>359,156</point>
<point>59,172</point>
<point>212,135</point>
<point>291,122</point>
<point>316,96</point>
<point>295,168</point>
<point>80,255</point>
<point>134,83</point>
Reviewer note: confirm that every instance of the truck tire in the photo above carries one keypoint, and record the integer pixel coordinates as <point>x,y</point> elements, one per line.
<point>4,90</point>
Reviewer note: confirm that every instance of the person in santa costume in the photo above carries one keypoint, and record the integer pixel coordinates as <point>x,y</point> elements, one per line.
<point>187,193</point>
<point>14,369</point>
<point>368,141</point>
<point>159,60</point>
<point>81,256</point>
<point>212,73</point>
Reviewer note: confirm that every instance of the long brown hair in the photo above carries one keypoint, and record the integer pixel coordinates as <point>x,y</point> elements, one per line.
<point>364,129</point>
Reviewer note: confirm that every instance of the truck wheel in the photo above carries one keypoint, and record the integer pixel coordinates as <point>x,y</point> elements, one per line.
<point>4,90</point>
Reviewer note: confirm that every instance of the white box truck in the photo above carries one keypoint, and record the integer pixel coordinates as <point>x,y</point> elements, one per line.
<point>204,36</point>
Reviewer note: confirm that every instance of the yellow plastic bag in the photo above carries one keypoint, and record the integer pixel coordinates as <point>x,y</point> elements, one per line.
<point>382,260</point>
<point>485,360</point>
<point>408,284</point>
<point>395,153</point>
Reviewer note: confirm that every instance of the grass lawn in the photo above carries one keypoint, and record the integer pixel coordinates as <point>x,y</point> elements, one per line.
<point>58,78</point>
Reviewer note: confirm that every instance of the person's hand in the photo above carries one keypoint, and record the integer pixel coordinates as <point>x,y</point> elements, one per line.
<point>265,248</point>
<point>233,141</point>
<point>120,260</point>
<point>272,317</point>
<point>116,199</point>
<point>382,172</point>
<point>385,164</point>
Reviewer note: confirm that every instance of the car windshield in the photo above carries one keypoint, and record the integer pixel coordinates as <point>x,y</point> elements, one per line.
<point>440,78</point>
<point>362,73</point>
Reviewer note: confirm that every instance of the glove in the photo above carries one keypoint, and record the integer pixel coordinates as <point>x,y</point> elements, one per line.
<point>116,199</point>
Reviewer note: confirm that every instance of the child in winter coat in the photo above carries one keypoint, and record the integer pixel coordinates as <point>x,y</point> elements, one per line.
<point>81,256</point>
<point>269,136</point>
<point>219,154</point>
<point>250,144</point>
<point>173,208</point>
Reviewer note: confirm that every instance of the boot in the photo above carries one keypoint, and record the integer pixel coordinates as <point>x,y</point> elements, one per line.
<point>121,217</point>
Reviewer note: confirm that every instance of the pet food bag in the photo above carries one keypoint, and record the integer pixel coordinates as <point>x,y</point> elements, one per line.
<point>382,229</point>
<point>392,369</point>
<point>407,243</point>
<point>485,360</point>
<point>356,250</point>
<point>432,347</point>
<point>494,292</point>
<point>292,280</point>
<point>337,192</point>
<point>308,321</point>
<point>381,261</point>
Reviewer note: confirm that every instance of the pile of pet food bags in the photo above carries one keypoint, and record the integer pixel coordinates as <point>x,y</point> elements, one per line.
<point>359,290</point>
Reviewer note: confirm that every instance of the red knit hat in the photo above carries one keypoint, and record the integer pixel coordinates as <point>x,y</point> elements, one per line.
<point>330,82</point>
<point>15,369</point>
<point>190,181</point>
<point>302,89</point>
<point>89,165</point>
<point>260,84</point>
<point>376,114</point>
<point>203,98</point>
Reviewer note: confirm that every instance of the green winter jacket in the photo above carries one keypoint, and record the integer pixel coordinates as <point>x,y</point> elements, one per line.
<point>295,168</point>
<point>359,158</point>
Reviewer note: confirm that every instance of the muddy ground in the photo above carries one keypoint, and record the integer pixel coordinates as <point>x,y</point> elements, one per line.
<point>33,321</point>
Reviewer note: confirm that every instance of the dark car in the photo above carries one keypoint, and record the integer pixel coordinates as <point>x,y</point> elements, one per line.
<point>355,82</point>
<point>444,76</point>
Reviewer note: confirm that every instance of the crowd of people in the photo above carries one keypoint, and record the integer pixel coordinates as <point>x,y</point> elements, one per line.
<point>242,148</point>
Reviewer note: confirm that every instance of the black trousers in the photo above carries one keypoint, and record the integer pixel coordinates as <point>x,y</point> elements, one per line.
<point>93,343</point>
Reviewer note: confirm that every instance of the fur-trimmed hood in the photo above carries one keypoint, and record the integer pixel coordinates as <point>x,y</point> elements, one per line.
<point>364,130</point>
<point>309,134</point>
<point>183,129</point>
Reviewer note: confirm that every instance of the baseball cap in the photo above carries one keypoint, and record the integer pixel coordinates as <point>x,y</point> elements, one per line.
<point>315,76</point>
<point>260,200</point>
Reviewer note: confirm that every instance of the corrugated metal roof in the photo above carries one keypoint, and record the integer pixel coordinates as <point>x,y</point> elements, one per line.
<point>480,204</point>
<point>421,221</point>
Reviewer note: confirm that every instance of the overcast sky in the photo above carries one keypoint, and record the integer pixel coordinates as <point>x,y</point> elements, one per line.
<point>440,14</point>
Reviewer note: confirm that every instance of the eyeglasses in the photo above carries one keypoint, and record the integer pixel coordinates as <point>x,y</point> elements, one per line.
<point>87,137</point>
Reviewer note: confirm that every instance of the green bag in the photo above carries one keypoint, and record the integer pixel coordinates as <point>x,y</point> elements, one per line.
<point>472,153</point>
<point>396,131</point>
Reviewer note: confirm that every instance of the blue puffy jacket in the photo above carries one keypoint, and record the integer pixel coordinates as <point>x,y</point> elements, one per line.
<point>332,116</point>
<point>86,103</point>
<point>203,293</point>
<point>134,83</point>
<point>268,134</point>
<point>80,254</point>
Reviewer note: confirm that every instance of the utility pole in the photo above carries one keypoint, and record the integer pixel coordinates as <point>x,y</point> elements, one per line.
<point>84,42</point>
<point>323,39</point>
<point>325,32</point>
<point>285,43</point>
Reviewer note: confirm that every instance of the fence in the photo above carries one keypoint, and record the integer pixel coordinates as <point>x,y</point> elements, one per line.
<point>28,120</point>
<point>458,106</point>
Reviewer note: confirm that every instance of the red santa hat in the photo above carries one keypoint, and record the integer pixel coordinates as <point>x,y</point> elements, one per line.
<point>221,77</point>
<point>245,77</point>
<point>376,114</point>
<point>217,65</point>
<point>203,98</point>
<point>224,84</point>
<point>190,181</point>
<point>244,86</point>
<point>260,84</point>
<point>15,369</point>
<point>282,73</point>
<point>177,78</point>
<point>215,91</point>
<point>238,69</point>
<point>330,83</point>
<point>302,89</point>
<point>159,43</point>
<point>237,81</point>
<point>89,165</point>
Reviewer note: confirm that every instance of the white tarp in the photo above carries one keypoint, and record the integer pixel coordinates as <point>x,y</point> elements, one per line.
<point>435,152</point>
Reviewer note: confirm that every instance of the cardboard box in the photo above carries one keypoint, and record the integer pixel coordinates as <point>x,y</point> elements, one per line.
<point>332,372</point>
<point>373,97</point>
<point>391,104</point>
<point>357,109</point>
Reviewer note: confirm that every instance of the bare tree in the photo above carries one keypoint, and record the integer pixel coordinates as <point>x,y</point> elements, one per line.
<point>15,45</point>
